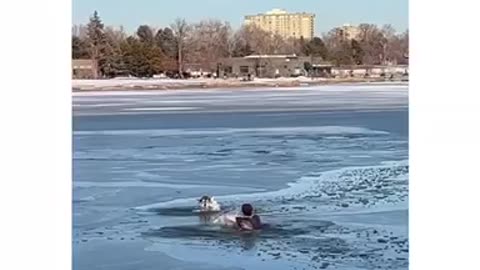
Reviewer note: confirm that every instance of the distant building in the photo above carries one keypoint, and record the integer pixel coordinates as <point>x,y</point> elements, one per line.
<point>287,25</point>
<point>271,66</point>
<point>370,71</point>
<point>198,70</point>
<point>349,32</point>
<point>83,69</point>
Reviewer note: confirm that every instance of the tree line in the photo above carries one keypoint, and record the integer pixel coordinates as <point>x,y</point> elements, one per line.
<point>152,51</point>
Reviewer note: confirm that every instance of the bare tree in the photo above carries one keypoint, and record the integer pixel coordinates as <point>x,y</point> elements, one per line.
<point>259,39</point>
<point>388,31</point>
<point>292,46</point>
<point>278,45</point>
<point>80,30</point>
<point>252,38</point>
<point>397,48</point>
<point>332,39</point>
<point>238,44</point>
<point>75,30</point>
<point>181,30</point>
<point>388,39</point>
<point>373,43</point>
<point>336,48</point>
<point>404,44</point>
<point>115,34</point>
<point>231,44</point>
<point>210,40</point>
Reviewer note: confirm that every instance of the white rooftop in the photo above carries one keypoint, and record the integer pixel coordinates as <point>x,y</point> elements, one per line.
<point>271,56</point>
<point>276,11</point>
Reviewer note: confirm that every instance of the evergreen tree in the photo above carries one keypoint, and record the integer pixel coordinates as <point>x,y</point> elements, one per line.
<point>112,63</point>
<point>142,59</point>
<point>79,48</point>
<point>342,54</point>
<point>307,66</point>
<point>316,47</point>
<point>96,42</point>
<point>145,34</point>
<point>135,62</point>
<point>302,47</point>
<point>357,52</point>
<point>241,50</point>
<point>165,39</point>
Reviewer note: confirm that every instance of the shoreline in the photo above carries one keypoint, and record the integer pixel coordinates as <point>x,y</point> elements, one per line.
<point>79,86</point>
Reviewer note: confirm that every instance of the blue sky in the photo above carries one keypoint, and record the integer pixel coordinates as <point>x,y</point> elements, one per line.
<point>329,13</point>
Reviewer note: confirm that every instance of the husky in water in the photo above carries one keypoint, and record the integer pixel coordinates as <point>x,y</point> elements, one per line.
<point>208,204</point>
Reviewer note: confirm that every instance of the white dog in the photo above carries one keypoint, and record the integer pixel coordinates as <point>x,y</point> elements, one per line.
<point>209,204</point>
<point>211,212</point>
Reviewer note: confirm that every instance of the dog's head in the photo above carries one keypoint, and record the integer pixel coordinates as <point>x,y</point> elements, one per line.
<point>208,203</point>
<point>204,201</point>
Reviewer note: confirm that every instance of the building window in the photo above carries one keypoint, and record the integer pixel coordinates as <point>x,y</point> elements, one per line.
<point>228,70</point>
<point>244,69</point>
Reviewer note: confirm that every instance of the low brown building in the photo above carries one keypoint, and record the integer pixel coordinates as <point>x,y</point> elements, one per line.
<point>83,69</point>
<point>272,66</point>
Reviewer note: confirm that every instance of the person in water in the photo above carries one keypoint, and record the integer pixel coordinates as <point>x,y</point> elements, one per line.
<point>249,221</point>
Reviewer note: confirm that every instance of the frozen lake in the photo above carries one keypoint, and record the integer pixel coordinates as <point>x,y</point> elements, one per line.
<point>326,167</point>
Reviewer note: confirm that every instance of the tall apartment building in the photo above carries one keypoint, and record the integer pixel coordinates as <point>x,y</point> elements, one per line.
<point>349,31</point>
<point>287,25</point>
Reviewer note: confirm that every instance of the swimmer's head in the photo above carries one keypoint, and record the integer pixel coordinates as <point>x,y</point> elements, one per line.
<point>247,209</point>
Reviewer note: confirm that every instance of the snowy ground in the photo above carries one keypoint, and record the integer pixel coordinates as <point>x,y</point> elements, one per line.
<point>326,167</point>
<point>152,84</point>
<point>166,81</point>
